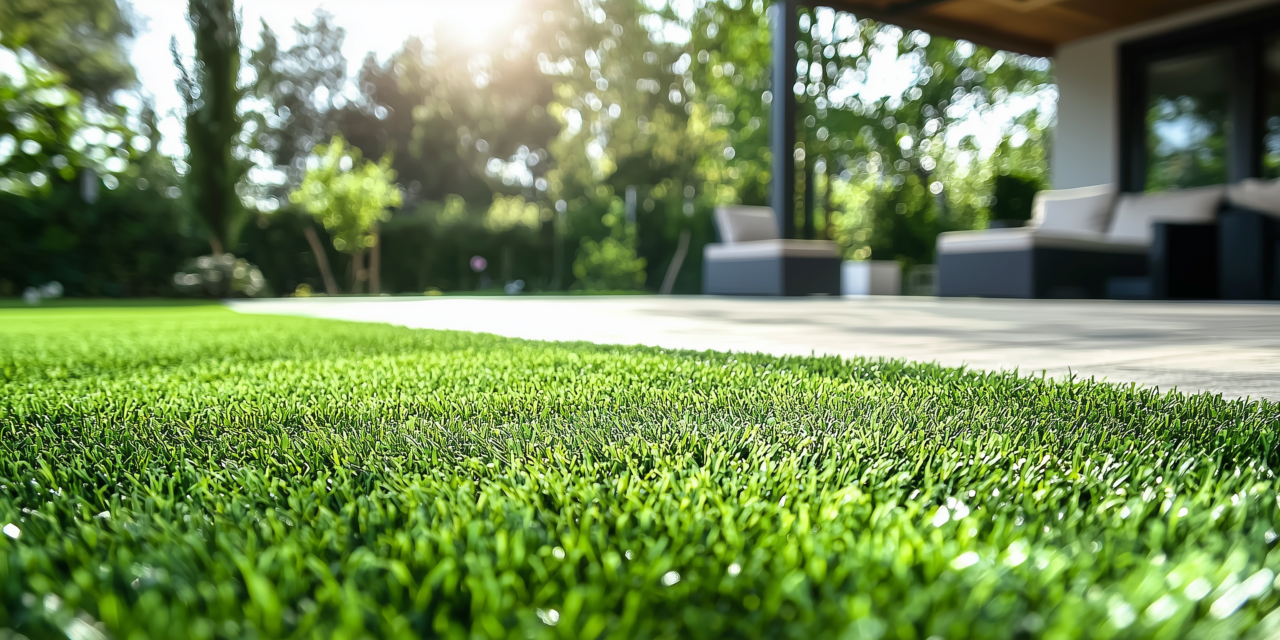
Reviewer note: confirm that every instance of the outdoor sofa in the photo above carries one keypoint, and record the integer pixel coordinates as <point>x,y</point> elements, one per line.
<point>751,258</point>
<point>1092,243</point>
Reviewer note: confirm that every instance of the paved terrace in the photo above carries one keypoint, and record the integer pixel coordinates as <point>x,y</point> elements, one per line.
<point>1231,349</point>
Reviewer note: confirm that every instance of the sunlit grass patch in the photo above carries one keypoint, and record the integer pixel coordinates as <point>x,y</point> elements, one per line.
<point>189,472</point>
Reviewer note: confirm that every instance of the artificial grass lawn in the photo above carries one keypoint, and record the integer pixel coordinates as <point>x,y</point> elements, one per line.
<point>189,472</point>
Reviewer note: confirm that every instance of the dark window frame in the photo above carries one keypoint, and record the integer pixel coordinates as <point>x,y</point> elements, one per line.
<point>1244,34</point>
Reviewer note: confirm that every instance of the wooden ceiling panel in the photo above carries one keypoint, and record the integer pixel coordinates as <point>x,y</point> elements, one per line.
<point>1052,24</point>
<point>1028,26</point>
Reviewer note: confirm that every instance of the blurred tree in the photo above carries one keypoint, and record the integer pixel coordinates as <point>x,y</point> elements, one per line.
<point>349,196</point>
<point>632,118</point>
<point>465,114</point>
<point>292,104</point>
<point>45,131</point>
<point>294,100</point>
<point>55,153</point>
<point>211,93</point>
<point>85,39</point>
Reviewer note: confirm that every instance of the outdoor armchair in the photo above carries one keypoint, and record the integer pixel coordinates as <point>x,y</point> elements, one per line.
<point>752,259</point>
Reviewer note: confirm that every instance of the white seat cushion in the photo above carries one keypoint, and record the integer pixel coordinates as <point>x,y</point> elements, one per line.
<point>768,249</point>
<point>1136,212</point>
<point>1258,195</point>
<point>746,224</point>
<point>1083,209</point>
<point>1027,238</point>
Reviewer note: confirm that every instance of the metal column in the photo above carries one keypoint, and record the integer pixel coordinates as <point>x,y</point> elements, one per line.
<point>782,117</point>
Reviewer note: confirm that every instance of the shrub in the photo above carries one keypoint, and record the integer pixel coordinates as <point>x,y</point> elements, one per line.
<point>610,264</point>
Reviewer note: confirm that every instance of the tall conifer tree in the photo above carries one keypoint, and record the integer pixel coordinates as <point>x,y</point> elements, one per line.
<point>211,91</point>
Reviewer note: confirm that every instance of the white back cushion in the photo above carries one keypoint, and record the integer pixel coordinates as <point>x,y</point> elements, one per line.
<point>1083,209</point>
<point>746,224</point>
<point>1256,194</point>
<point>1136,212</point>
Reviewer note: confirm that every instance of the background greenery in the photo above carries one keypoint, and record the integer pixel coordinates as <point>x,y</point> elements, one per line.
<point>572,107</point>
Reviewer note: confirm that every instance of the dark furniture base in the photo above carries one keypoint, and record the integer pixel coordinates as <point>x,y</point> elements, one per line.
<point>1248,243</point>
<point>772,277</point>
<point>1184,261</point>
<point>1035,273</point>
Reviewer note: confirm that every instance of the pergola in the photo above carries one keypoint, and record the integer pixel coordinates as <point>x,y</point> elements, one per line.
<point>1034,27</point>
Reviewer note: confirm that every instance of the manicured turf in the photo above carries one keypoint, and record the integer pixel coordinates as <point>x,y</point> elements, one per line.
<point>188,472</point>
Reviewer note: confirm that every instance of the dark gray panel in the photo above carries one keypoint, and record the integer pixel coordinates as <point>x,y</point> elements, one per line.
<point>1247,255</point>
<point>997,274</point>
<point>1034,273</point>
<point>772,277</point>
<point>742,277</point>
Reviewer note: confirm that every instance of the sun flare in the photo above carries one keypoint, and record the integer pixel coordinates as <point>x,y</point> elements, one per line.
<point>476,21</point>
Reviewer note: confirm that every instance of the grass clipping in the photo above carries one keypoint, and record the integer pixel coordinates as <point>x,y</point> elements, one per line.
<point>187,472</point>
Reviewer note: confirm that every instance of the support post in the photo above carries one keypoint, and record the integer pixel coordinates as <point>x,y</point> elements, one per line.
<point>810,199</point>
<point>1247,107</point>
<point>782,116</point>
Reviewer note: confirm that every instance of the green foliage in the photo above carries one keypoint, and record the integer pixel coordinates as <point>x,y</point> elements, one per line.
<point>634,115</point>
<point>84,39</point>
<point>188,472</point>
<point>125,241</point>
<point>610,264</point>
<point>467,115</point>
<point>1175,163</point>
<point>211,93</point>
<point>45,133</point>
<point>347,194</point>
<point>570,106</point>
<point>509,214</point>
<point>1013,196</point>
<point>297,93</point>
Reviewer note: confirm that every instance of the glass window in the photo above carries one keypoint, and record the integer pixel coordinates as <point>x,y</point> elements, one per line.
<point>1271,117</point>
<point>1187,120</point>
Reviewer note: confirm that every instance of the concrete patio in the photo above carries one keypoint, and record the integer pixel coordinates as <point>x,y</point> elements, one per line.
<point>1231,349</point>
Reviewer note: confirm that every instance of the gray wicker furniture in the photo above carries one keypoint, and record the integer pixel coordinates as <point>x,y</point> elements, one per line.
<point>752,259</point>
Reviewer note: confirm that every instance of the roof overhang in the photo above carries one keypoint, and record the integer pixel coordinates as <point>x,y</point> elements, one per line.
<point>1034,27</point>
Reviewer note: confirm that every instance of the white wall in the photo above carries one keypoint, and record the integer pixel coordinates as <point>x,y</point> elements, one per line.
<point>1086,149</point>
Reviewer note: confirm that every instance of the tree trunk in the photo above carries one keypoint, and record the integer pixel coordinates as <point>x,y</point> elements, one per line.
<point>358,273</point>
<point>375,263</point>
<point>506,262</point>
<point>322,260</point>
<point>215,245</point>
<point>677,261</point>
<point>828,229</point>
